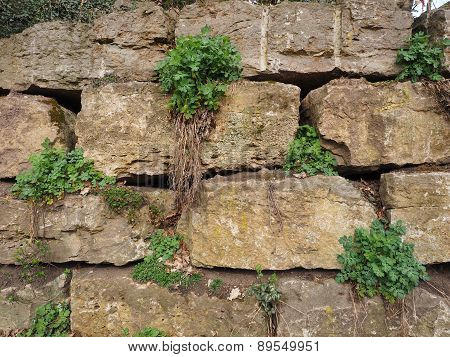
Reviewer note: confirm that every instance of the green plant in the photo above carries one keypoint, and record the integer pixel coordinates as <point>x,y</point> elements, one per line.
<point>120,199</point>
<point>51,320</point>
<point>67,272</point>
<point>268,296</point>
<point>305,155</point>
<point>162,248</point>
<point>196,72</point>
<point>267,293</point>
<point>16,16</point>
<point>30,257</point>
<point>145,332</point>
<point>421,59</point>
<point>379,262</point>
<point>215,285</point>
<point>12,297</point>
<point>150,332</point>
<point>152,269</point>
<point>53,172</point>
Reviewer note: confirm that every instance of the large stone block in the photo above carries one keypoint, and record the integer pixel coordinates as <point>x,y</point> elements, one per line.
<point>63,55</point>
<point>79,228</point>
<point>368,125</point>
<point>106,300</point>
<point>127,130</point>
<point>276,221</point>
<point>322,307</point>
<point>18,302</point>
<point>25,121</point>
<point>422,201</point>
<point>296,41</point>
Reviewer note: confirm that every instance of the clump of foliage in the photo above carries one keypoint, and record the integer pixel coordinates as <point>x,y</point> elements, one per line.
<point>145,332</point>
<point>122,199</point>
<point>54,172</point>
<point>51,320</point>
<point>12,297</point>
<point>379,262</point>
<point>67,272</point>
<point>30,258</point>
<point>215,285</point>
<point>421,58</point>
<point>18,15</point>
<point>150,332</point>
<point>305,155</point>
<point>196,72</point>
<point>266,292</point>
<point>268,296</point>
<point>162,248</point>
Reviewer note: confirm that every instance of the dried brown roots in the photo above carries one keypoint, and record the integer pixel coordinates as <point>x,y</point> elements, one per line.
<point>187,170</point>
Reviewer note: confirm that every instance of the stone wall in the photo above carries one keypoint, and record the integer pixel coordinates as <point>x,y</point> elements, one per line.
<point>327,65</point>
<point>291,42</point>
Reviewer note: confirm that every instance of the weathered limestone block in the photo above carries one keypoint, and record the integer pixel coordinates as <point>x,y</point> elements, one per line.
<point>422,201</point>
<point>127,130</point>
<point>326,308</point>
<point>18,304</point>
<point>51,55</point>
<point>372,32</point>
<point>78,228</point>
<point>296,40</point>
<point>276,221</point>
<point>25,121</point>
<point>107,300</point>
<point>368,125</point>
<point>63,55</point>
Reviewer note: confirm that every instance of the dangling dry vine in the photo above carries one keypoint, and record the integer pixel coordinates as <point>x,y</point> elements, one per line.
<point>187,172</point>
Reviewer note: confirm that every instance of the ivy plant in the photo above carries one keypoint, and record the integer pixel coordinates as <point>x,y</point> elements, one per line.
<point>197,71</point>
<point>421,58</point>
<point>54,172</point>
<point>379,262</point>
<point>305,155</point>
<point>51,320</point>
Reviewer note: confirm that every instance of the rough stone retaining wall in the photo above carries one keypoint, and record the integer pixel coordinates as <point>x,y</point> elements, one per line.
<point>392,134</point>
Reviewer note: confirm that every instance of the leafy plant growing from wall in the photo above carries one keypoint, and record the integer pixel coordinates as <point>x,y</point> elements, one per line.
<point>51,320</point>
<point>122,199</point>
<point>54,172</point>
<point>379,262</point>
<point>162,249</point>
<point>305,155</point>
<point>196,73</point>
<point>145,332</point>
<point>421,58</point>
<point>31,257</point>
<point>268,296</point>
